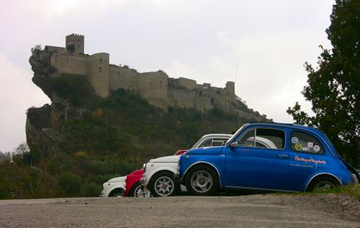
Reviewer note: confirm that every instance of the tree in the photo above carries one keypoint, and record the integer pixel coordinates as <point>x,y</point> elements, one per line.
<point>23,148</point>
<point>70,48</point>
<point>334,86</point>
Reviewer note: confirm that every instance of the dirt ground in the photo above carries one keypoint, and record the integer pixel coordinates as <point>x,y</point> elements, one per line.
<point>336,205</point>
<point>270,210</point>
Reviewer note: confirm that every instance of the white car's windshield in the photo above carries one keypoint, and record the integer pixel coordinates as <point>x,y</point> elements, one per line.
<point>211,140</point>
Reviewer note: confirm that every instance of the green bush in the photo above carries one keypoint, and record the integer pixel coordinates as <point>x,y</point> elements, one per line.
<point>90,190</point>
<point>4,192</point>
<point>75,88</point>
<point>70,184</point>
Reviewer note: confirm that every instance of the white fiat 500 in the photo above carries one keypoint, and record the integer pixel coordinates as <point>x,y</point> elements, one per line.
<point>114,187</point>
<point>159,173</point>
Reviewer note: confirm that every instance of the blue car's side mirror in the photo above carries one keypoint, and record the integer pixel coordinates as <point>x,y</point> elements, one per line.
<point>234,145</point>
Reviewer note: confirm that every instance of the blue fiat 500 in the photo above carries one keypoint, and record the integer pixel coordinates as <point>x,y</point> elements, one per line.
<point>267,156</point>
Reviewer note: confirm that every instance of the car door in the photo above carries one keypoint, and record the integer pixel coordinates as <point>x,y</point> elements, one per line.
<point>259,161</point>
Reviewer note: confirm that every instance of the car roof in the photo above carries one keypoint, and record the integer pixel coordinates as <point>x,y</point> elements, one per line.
<point>217,135</point>
<point>289,125</point>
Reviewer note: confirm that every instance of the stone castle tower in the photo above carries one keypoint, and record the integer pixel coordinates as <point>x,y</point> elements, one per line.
<point>77,42</point>
<point>156,87</point>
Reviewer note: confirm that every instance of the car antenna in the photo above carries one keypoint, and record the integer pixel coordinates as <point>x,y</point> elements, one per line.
<point>236,69</point>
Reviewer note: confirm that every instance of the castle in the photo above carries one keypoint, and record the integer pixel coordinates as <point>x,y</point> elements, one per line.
<point>156,87</point>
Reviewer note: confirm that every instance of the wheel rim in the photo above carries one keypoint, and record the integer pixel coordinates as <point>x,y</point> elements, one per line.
<point>201,181</point>
<point>140,192</point>
<point>164,186</point>
<point>324,185</point>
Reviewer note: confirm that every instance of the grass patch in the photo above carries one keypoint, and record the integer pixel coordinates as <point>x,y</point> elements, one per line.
<point>351,190</point>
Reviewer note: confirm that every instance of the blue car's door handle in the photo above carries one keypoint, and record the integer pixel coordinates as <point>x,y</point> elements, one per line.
<point>283,156</point>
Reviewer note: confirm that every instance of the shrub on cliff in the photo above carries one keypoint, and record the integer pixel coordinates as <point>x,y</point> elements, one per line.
<point>74,88</point>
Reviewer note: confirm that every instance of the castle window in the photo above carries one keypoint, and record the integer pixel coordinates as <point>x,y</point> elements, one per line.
<point>218,92</point>
<point>100,70</point>
<point>200,93</point>
<point>212,100</point>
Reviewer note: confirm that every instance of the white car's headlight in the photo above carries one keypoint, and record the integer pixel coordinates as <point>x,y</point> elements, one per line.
<point>144,167</point>
<point>178,167</point>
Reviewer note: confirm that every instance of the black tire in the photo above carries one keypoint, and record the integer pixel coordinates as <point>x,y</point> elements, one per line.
<point>162,184</point>
<point>117,193</point>
<point>322,183</point>
<point>202,180</point>
<point>133,189</point>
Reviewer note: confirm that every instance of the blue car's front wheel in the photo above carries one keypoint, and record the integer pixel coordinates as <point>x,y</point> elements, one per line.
<point>202,180</point>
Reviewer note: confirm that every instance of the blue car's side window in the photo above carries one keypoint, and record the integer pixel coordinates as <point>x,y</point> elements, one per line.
<point>263,138</point>
<point>302,142</point>
<point>271,138</point>
<point>247,139</point>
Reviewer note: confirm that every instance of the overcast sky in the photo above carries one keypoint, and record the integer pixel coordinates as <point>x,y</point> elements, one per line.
<point>260,44</point>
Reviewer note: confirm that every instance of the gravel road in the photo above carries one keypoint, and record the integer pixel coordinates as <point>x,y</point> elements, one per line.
<point>269,210</point>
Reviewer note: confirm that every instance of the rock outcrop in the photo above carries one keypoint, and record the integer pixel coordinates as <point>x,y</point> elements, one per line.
<point>42,133</point>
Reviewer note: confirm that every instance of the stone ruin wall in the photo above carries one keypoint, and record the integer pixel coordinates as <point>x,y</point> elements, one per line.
<point>152,86</point>
<point>187,93</point>
<point>69,64</point>
<point>156,87</point>
<point>123,78</point>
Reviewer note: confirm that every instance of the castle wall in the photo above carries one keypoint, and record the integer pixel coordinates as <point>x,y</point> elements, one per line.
<point>204,99</point>
<point>55,49</point>
<point>156,87</point>
<point>153,87</point>
<point>181,98</point>
<point>99,73</point>
<point>70,64</point>
<point>187,83</point>
<point>186,93</point>
<point>124,78</point>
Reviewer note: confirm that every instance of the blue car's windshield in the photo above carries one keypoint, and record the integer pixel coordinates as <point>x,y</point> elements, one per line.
<point>234,135</point>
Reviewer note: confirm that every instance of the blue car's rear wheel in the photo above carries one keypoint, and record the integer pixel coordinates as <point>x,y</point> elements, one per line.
<point>323,183</point>
<point>202,180</point>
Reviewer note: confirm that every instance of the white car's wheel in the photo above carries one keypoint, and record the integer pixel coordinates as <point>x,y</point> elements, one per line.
<point>163,184</point>
<point>117,193</point>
